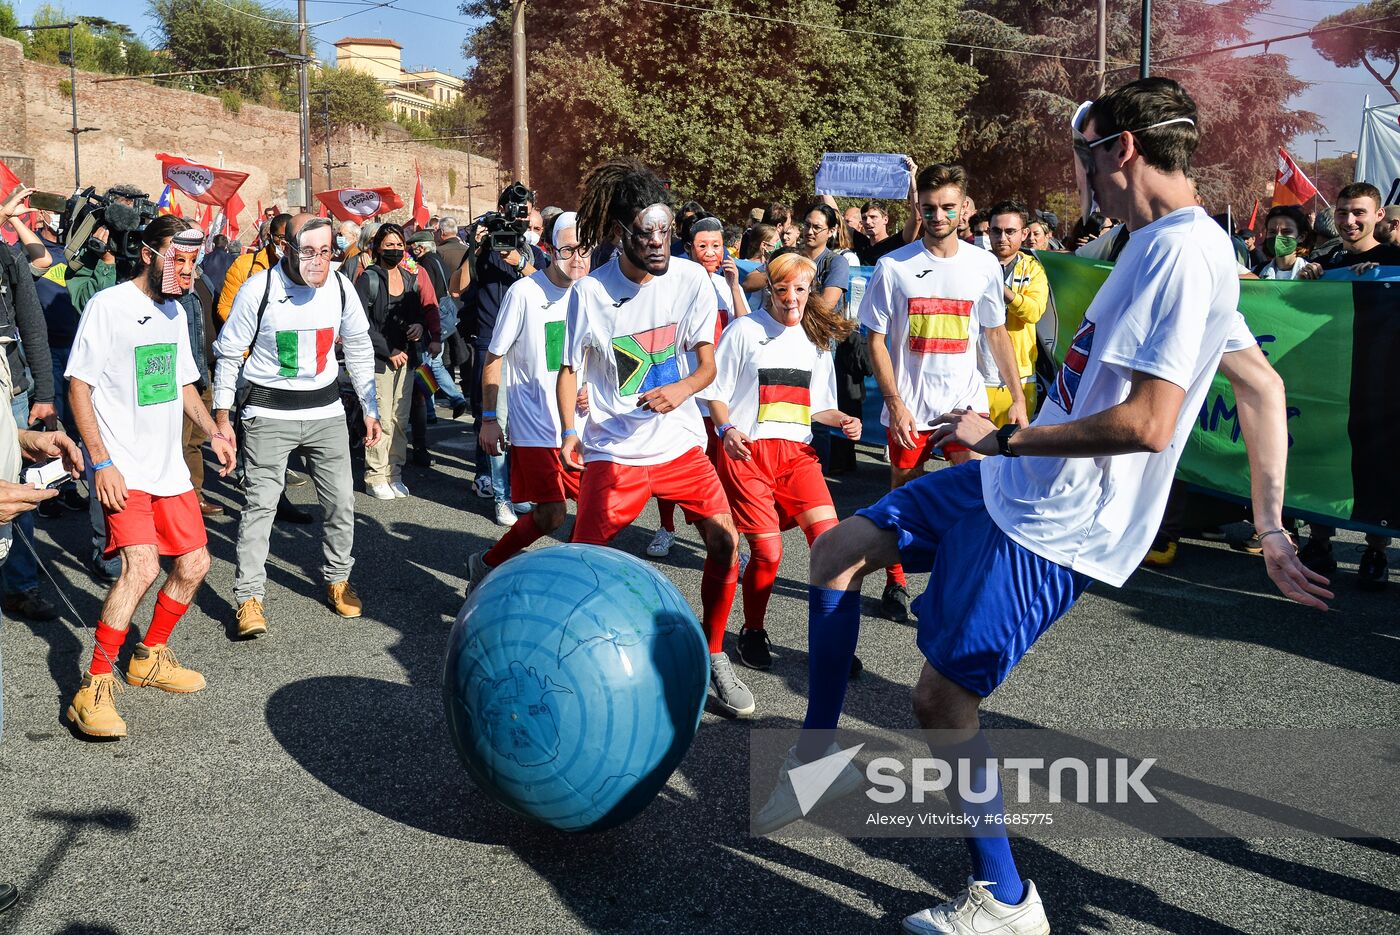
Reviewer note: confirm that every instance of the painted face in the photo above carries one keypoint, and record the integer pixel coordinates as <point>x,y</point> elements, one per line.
<point>647,241</point>
<point>1007,235</point>
<point>571,259</point>
<point>940,209</point>
<point>707,249</point>
<point>788,299</point>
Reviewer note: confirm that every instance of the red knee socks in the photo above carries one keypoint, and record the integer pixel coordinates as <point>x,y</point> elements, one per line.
<point>515,541</point>
<point>109,643</point>
<point>667,509</point>
<point>895,575</point>
<point>717,584</point>
<point>821,526</point>
<point>168,613</point>
<point>765,555</point>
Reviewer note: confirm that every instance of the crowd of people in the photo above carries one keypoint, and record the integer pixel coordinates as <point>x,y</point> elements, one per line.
<point>635,349</point>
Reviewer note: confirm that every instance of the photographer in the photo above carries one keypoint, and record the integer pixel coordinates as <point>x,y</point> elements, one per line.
<point>503,250</point>
<point>123,210</point>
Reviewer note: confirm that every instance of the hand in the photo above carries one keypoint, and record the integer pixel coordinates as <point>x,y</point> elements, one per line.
<point>11,206</point>
<point>913,177</point>
<point>736,445</point>
<point>571,454</point>
<point>373,431</point>
<point>1310,271</point>
<point>664,399</point>
<point>415,332</point>
<point>1017,414</point>
<point>1294,580</point>
<point>43,412</point>
<point>902,429</point>
<point>850,427</point>
<point>434,348</point>
<point>45,446</point>
<point>226,450</point>
<point>398,359</point>
<point>511,259</point>
<point>20,498</point>
<point>968,429</point>
<point>111,489</point>
<point>581,403</point>
<point>1360,268</point>
<point>731,270</point>
<point>491,438</point>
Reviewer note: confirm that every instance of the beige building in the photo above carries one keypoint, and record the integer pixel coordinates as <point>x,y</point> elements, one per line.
<point>410,94</point>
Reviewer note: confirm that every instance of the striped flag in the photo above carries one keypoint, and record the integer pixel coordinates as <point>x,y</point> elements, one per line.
<point>426,378</point>
<point>939,326</point>
<point>304,353</point>
<point>785,395</point>
<point>1291,186</point>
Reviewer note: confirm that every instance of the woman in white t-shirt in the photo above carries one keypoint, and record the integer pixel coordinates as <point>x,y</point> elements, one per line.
<point>1286,230</point>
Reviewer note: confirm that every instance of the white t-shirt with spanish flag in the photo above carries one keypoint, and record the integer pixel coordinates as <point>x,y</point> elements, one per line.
<point>934,308</point>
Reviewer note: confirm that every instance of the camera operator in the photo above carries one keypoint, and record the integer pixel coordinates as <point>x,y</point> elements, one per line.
<point>503,249</point>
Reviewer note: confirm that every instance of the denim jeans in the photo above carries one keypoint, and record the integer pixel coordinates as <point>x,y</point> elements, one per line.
<point>20,572</point>
<point>444,380</point>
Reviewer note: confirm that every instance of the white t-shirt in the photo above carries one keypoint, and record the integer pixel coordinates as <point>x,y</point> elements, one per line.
<point>722,320</point>
<point>529,336</point>
<point>631,339</point>
<point>1271,270</point>
<point>773,378</point>
<point>1169,309</point>
<point>933,309</point>
<point>135,354</point>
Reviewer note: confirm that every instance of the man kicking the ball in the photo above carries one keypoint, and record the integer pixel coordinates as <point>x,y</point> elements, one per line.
<point>631,324</point>
<point>1011,542</point>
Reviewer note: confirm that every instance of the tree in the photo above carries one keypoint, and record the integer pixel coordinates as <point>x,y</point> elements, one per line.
<point>1378,40</point>
<point>1331,175</point>
<point>99,44</point>
<point>9,24</point>
<point>356,99</point>
<point>736,111</point>
<point>1016,138</point>
<point>199,34</point>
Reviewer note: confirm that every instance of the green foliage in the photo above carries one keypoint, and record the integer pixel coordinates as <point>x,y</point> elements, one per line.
<point>99,44</point>
<point>451,182</point>
<point>1331,175</point>
<point>65,87</point>
<point>1377,46</point>
<point>198,34</point>
<point>356,99</point>
<point>735,111</point>
<point>9,23</point>
<point>232,100</point>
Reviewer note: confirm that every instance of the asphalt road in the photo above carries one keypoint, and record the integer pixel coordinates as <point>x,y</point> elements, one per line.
<point>312,786</point>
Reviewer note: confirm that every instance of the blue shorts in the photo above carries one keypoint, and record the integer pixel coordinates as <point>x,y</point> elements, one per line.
<point>989,598</point>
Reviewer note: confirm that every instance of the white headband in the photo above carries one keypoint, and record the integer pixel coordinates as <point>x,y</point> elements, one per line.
<point>566,221</point>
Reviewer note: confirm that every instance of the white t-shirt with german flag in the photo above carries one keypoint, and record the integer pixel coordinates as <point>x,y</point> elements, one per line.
<point>933,309</point>
<point>529,335</point>
<point>772,377</point>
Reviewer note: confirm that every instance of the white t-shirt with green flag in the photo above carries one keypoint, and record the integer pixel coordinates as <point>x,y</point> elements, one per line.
<point>529,337</point>
<point>135,354</point>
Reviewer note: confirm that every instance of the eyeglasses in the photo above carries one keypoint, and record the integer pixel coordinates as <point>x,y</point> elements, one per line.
<point>311,253</point>
<point>656,235</point>
<point>568,253</point>
<point>814,228</point>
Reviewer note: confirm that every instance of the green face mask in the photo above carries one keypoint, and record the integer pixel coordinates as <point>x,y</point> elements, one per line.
<point>1283,246</point>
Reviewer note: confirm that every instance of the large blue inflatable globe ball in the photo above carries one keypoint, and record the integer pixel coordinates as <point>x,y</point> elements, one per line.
<point>574,683</point>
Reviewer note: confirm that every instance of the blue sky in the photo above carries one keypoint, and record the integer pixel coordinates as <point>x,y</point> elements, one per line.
<point>431,33</point>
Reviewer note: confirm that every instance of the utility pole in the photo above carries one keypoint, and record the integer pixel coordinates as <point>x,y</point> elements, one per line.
<point>1316,141</point>
<point>304,101</point>
<point>522,133</point>
<point>1145,57</point>
<point>1102,47</point>
<point>72,92</point>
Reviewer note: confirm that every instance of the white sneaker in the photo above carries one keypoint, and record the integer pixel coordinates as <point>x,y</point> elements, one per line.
<point>380,491</point>
<point>482,486</point>
<point>399,489</point>
<point>783,807</point>
<point>975,911</point>
<point>505,516</point>
<point>660,544</point>
<point>522,508</point>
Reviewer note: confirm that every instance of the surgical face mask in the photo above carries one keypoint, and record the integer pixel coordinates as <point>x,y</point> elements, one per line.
<point>391,257</point>
<point>341,242</point>
<point>983,241</point>
<point>532,237</point>
<point>1281,245</point>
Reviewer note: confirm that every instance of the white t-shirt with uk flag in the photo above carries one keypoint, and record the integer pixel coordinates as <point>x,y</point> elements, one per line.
<point>772,378</point>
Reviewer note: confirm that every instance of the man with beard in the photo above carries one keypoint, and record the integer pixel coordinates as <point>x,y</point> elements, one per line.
<point>131,383</point>
<point>287,321</point>
<point>630,325</point>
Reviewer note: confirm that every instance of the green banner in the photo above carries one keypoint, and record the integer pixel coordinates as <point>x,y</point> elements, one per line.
<point>1334,344</point>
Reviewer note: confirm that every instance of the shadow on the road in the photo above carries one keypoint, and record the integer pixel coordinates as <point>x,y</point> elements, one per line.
<point>73,825</point>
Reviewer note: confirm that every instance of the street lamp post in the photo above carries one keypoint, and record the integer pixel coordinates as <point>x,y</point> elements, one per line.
<point>301,60</point>
<point>72,93</point>
<point>1315,180</point>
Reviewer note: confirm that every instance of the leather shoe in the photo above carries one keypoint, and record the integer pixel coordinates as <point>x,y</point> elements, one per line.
<point>8,895</point>
<point>210,508</point>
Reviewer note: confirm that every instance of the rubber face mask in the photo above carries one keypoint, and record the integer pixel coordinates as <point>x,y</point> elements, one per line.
<point>177,276</point>
<point>1282,245</point>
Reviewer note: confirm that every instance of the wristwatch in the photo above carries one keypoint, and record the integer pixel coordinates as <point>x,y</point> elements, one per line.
<point>1004,439</point>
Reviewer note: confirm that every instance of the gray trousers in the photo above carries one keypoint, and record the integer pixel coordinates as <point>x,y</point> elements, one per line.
<point>267,443</point>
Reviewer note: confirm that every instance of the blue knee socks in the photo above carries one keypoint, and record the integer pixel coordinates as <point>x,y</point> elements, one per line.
<point>833,625</point>
<point>989,848</point>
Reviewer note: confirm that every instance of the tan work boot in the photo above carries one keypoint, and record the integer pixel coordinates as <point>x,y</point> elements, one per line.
<point>343,599</point>
<point>251,622</point>
<point>156,667</point>
<point>94,707</point>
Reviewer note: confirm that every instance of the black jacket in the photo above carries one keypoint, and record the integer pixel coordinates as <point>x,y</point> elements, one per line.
<point>22,316</point>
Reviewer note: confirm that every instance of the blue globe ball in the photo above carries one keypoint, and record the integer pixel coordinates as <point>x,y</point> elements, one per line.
<point>574,683</point>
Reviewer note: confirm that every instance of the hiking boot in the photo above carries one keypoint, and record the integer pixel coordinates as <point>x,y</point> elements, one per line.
<point>1372,573</point>
<point>1317,556</point>
<point>30,606</point>
<point>753,648</point>
<point>343,599</point>
<point>156,667</point>
<point>252,622</point>
<point>732,695</point>
<point>894,603</point>
<point>94,708</point>
<point>975,911</point>
<point>1162,553</point>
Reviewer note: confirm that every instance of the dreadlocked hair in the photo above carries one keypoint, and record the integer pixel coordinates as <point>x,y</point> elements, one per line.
<point>819,320</point>
<point>616,191</point>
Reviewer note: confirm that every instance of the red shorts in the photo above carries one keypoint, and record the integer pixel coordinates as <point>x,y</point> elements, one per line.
<point>907,458</point>
<point>536,476</point>
<point>612,495</point>
<point>173,525</point>
<point>781,481</point>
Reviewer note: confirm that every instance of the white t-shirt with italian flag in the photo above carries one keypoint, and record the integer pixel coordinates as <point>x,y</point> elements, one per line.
<point>529,336</point>
<point>135,354</point>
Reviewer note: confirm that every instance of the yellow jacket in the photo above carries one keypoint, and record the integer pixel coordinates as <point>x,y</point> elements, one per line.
<point>247,265</point>
<point>1030,295</point>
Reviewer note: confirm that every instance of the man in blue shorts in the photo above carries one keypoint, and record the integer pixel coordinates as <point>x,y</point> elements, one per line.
<point>1012,541</point>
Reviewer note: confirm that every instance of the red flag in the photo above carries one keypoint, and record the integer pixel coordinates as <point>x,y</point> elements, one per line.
<point>201,183</point>
<point>231,211</point>
<point>260,211</point>
<point>175,208</point>
<point>8,181</point>
<point>1254,215</point>
<point>420,210</point>
<point>206,218</point>
<point>323,212</point>
<point>1291,186</point>
<point>356,204</point>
